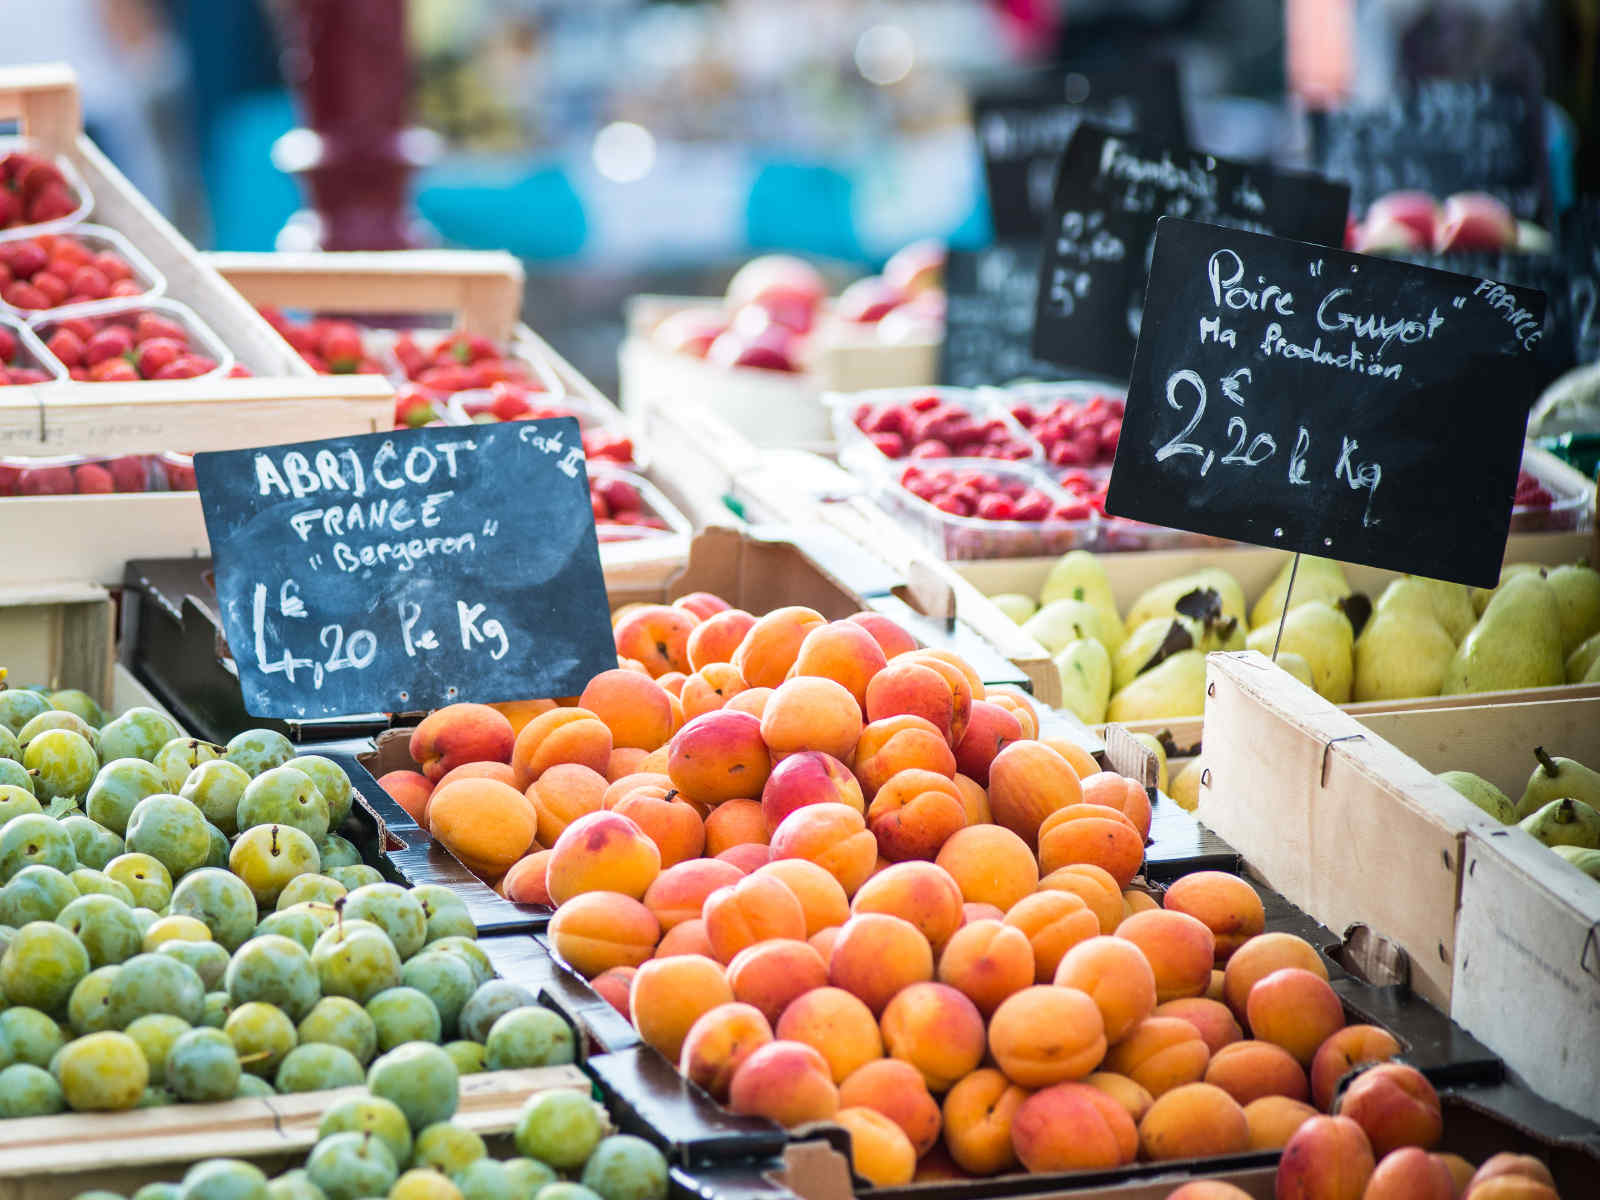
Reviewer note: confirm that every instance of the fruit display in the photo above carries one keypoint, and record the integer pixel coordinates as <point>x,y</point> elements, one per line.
<point>125,344</point>
<point>74,475</point>
<point>330,345</point>
<point>1420,637</point>
<point>91,263</point>
<point>1076,425</point>
<point>1410,222</point>
<point>183,922</point>
<point>1559,807</point>
<point>931,423</point>
<point>400,1140</point>
<point>36,189</point>
<point>971,508</point>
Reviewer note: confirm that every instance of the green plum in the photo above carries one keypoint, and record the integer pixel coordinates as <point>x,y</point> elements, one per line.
<point>446,912</point>
<point>315,889</point>
<point>370,1114</point>
<point>35,838</point>
<point>215,1009</point>
<point>138,733</point>
<point>161,1190</point>
<point>419,1078</point>
<point>35,893</point>
<point>318,1067</point>
<point>215,788</point>
<point>31,1036</point>
<point>91,881</point>
<point>624,1167</point>
<point>10,748</point>
<point>294,1185</point>
<point>338,852</point>
<point>468,950</point>
<point>284,796</point>
<point>146,877</point>
<point>401,1015</point>
<point>218,849</point>
<point>89,1007</point>
<point>258,750</point>
<point>170,830</point>
<point>253,1087</point>
<point>80,703</point>
<point>332,783</point>
<point>300,923</point>
<point>94,844</point>
<point>118,786</point>
<point>156,1097</point>
<point>447,1147</point>
<point>14,800</point>
<point>528,1037</point>
<point>527,1176</point>
<point>155,1033</point>
<point>27,1090</point>
<point>357,876</point>
<point>209,960</point>
<point>18,706</point>
<point>274,969</point>
<point>444,979</point>
<point>490,1002</point>
<point>202,1066</point>
<point>66,763</point>
<point>103,1072</point>
<point>340,1021</point>
<point>221,901</point>
<point>156,983</point>
<point>484,1179</point>
<point>14,774</point>
<point>267,857</point>
<point>182,755</point>
<point>146,916</point>
<point>41,966</point>
<point>350,1166</point>
<point>56,719</point>
<point>560,1127</point>
<point>104,925</point>
<point>390,907</point>
<point>223,1179</point>
<point>562,1190</point>
<point>262,1035</point>
<point>467,1056</point>
<point>423,1183</point>
<point>356,959</point>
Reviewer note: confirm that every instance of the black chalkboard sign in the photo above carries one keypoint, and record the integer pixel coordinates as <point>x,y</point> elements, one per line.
<point>1024,123</point>
<point>1440,136</point>
<point>1110,191</point>
<point>1351,407</point>
<point>988,324</point>
<point>1580,251</point>
<point>405,570</point>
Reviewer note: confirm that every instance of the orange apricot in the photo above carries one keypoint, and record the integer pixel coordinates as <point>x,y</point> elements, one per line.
<point>978,1114</point>
<point>785,1081</point>
<point>875,955</point>
<point>1091,833</point>
<point>486,824</point>
<point>1160,1053</point>
<point>1073,1127</point>
<point>772,644</point>
<point>987,961</point>
<point>634,708</point>
<point>834,836</point>
<point>896,744</point>
<point>837,1025</point>
<point>1027,782</point>
<point>1260,957</point>
<point>657,637</point>
<point>821,898</point>
<point>1225,904</point>
<point>716,638</point>
<point>1116,976</point>
<point>679,893</point>
<point>460,733</point>
<point>937,1030</point>
<point>670,994</point>
<point>1045,1035</point>
<point>753,910</point>
<point>1196,1120</point>
<point>770,975</point>
<point>718,1042</point>
<point>897,1090</point>
<point>602,852</point>
<point>1249,1070</point>
<point>597,930</point>
<point>843,652</point>
<point>1180,950</point>
<point>561,795</point>
<point>1094,886</point>
<point>990,865</point>
<point>1054,922</point>
<point>562,735</point>
<point>808,712</point>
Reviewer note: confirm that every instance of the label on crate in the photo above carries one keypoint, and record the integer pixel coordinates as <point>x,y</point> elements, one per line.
<point>407,570</point>
<point>1440,136</point>
<point>1310,399</point>
<point>988,323</point>
<point>1023,125</point>
<point>1110,191</point>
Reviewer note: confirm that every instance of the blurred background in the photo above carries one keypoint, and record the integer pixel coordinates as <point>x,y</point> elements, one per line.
<point>623,146</point>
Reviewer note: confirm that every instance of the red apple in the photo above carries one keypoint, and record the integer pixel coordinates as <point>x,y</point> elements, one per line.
<point>1475,221</point>
<point>772,350</point>
<point>1417,210</point>
<point>867,301</point>
<point>690,331</point>
<point>916,268</point>
<point>1386,236</point>
<point>787,287</point>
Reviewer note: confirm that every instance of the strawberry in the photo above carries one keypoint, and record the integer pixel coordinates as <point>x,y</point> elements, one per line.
<point>8,345</point>
<point>130,473</point>
<point>92,479</point>
<point>114,341</point>
<point>113,370</point>
<point>155,353</point>
<point>341,347</point>
<point>87,281</point>
<point>66,346</point>
<point>113,266</point>
<point>51,204</point>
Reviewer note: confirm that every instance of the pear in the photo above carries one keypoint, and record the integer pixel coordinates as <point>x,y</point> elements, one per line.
<point>1175,688</point>
<point>1402,653</point>
<point>1079,575</point>
<point>1316,579</point>
<point>1577,591</point>
<point>1592,675</point>
<point>1015,605</point>
<point>1085,669</point>
<point>1162,600</point>
<point>1320,634</point>
<point>1147,645</point>
<point>1482,596</point>
<point>1153,744</point>
<point>1564,823</point>
<point>1515,644</point>
<point>1186,786</point>
<point>1296,665</point>
<point>1583,658</point>
<point>1063,621</point>
<point>1482,793</point>
<point>1448,603</point>
<point>1586,860</point>
<point>1557,779</point>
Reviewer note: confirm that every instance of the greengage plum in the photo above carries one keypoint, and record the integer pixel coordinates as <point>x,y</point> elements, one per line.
<point>355,959</point>
<point>35,838</point>
<point>446,981</point>
<point>103,1072</point>
<point>317,1067</point>
<point>202,1065</point>
<point>258,750</point>
<point>370,1115</point>
<point>401,1015</point>
<point>104,925</point>
<point>262,1036</point>
<point>392,909</point>
<point>156,983</point>
<point>447,1148</point>
<point>331,782</point>
<point>154,1034</point>
<point>221,901</point>
<point>215,788</point>
<point>267,857</point>
<point>491,1001</point>
<point>170,830</point>
<point>145,877</point>
<point>284,796</point>
<point>532,1036</point>
<point>350,1166</point>
<point>420,1079</point>
<point>179,757</point>
<point>138,733</point>
<point>41,966</point>
<point>274,969</point>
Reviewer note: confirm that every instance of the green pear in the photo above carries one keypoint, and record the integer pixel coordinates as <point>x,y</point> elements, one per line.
<point>1557,779</point>
<point>1080,575</point>
<point>1162,600</point>
<point>1592,675</point>
<point>1577,591</point>
<point>1482,793</point>
<point>1583,658</point>
<point>1316,579</point>
<point>1482,596</point>
<point>1296,665</point>
<point>1015,605</point>
<point>1450,604</point>
<point>1515,644</point>
<point>1063,621</point>
<point>1175,688</point>
<point>1586,860</point>
<point>1085,669</point>
<point>1564,823</point>
<point>1400,654</point>
<point>1149,644</point>
<point>1320,634</point>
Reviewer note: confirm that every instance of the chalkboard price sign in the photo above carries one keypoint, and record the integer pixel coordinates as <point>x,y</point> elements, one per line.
<point>407,570</point>
<point>1110,191</point>
<point>988,324</point>
<point>1351,407</point>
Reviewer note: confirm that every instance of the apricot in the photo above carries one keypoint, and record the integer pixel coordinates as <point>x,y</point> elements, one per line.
<point>747,856</point>
<point>520,712</point>
<point>1212,1018</point>
<point>772,644</point>
<point>845,653</point>
<point>1327,1158</point>
<point>838,1025</point>
<point>1091,833</point>
<point>624,761</point>
<point>1512,1177</point>
<point>978,1116</point>
<point>702,604</point>
<point>990,730</point>
<point>908,688</point>
<point>880,1152</point>
<point>634,707</point>
<point>1214,989</point>
<point>950,659</point>
<point>602,852</point>
<point>892,639</point>
<point>787,1082</point>
<point>1054,922</point>
<point>937,1166</point>
<point>1116,976</point>
<point>525,883</point>
<point>1132,1096</point>
<point>1160,1053</point>
<point>1073,1127</point>
<point>679,893</point>
<point>1195,1120</point>
<point>1347,1048</point>
<point>897,1090</point>
<point>1180,950</point>
<point>1395,1106</point>
<point>897,744</point>
<point>719,756</point>
<point>1022,710</point>
<point>1461,1172</point>
<point>770,974</point>
<point>1209,1189</point>
<point>686,937</point>
<point>613,985</point>
<point>1249,1070</point>
<point>716,638</point>
<point>1027,782</point>
<point>1260,957</point>
<point>656,636</point>
<point>1273,1120</point>
<point>1136,901</point>
<point>719,1042</point>
<point>834,836</point>
<point>918,892</point>
<point>734,823</point>
<point>1044,1035</point>
<point>562,735</point>
<point>672,824</point>
<point>808,712</point>
<point>1296,1009</point>
<point>1223,903</point>
<point>1410,1174</point>
<point>1094,886</point>
<point>990,865</point>
<point>460,733</point>
<point>821,898</point>
<point>410,790</point>
<point>669,995</point>
<point>598,930</point>
<point>1126,795</point>
<point>875,955</point>
<point>561,795</point>
<point>808,777</point>
<point>753,910</point>
<point>709,688</point>
<point>486,824</point>
<point>822,942</point>
<point>498,771</point>
<point>936,1029</point>
<point>984,912</point>
<point>752,700</point>
<point>619,787</point>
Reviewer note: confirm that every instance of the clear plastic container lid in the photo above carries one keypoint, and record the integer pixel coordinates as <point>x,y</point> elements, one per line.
<point>77,190</point>
<point>106,313</point>
<point>96,239</point>
<point>1569,506</point>
<point>958,537</point>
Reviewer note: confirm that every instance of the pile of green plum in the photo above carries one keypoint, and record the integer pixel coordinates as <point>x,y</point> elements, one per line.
<point>398,1141</point>
<point>179,923</point>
